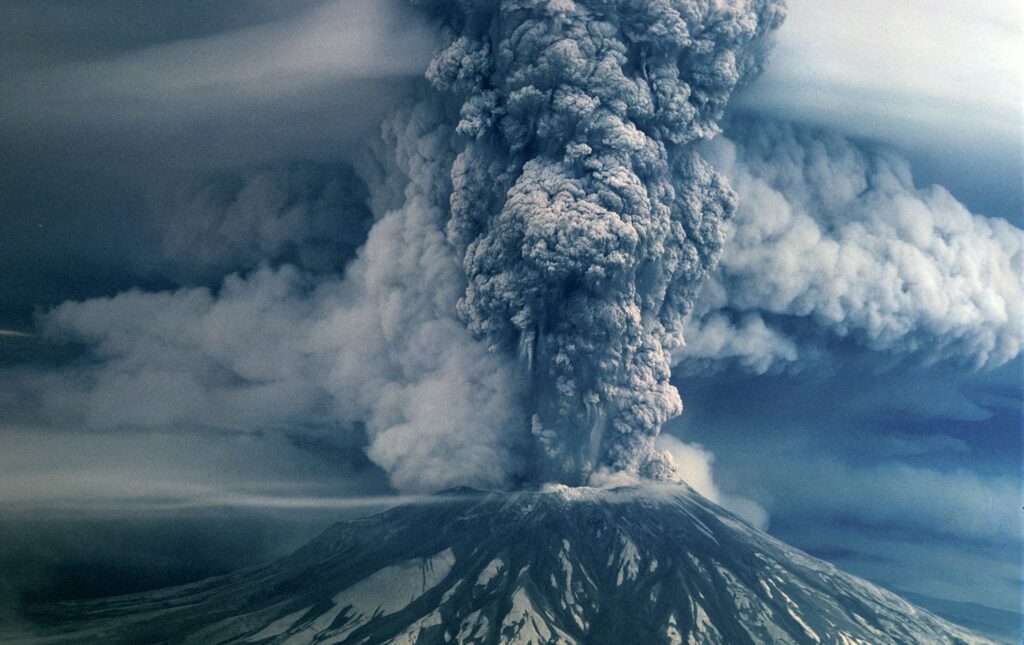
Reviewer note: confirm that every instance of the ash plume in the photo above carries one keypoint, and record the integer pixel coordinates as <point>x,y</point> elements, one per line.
<point>584,220</point>
<point>536,227</point>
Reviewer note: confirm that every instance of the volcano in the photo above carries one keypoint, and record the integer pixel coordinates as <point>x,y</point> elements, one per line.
<point>640,565</point>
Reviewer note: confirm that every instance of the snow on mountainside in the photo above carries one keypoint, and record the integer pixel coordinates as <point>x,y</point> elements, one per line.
<point>567,565</point>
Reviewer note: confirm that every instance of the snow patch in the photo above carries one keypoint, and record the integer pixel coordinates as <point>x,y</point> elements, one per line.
<point>846,639</point>
<point>279,626</point>
<point>703,630</point>
<point>672,632</point>
<point>451,592</point>
<point>411,634</point>
<point>492,569</point>
<point>524,624</point>
<point>385,592</point>
<point>629,561</point>
<point>791,608</point>
<point>473,627</point>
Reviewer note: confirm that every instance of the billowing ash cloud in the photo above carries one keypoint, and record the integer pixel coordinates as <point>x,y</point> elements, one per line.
<point>497,296</point>
<point>836,236</point>
<point>541,223</point>
<point>312,215</point>
<point>584,219</point>
<point>439,409</point>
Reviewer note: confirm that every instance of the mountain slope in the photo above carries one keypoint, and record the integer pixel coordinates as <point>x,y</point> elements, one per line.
<point>569,565</point>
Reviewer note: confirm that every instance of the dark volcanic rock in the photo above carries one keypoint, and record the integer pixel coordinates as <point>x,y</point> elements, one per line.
<point>567,565</point>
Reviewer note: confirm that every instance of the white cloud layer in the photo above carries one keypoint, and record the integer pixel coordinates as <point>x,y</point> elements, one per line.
<point>931,73</point>
<point>334,41</point>
<point>841,238</point>
<point>956,502</point>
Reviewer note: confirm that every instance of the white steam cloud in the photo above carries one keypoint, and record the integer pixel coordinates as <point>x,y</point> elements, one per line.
<point>695,464</point>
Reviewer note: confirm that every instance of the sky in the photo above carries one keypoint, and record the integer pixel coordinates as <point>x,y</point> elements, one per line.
<point>189,192</point>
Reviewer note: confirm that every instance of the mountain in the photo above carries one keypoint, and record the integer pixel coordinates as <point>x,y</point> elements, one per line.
<point>565,565</point>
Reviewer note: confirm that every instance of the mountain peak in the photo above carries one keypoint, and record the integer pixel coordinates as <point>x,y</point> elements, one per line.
<point>566,565</point>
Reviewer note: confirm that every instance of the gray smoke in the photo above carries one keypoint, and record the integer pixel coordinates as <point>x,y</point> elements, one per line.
<point>584,219</point>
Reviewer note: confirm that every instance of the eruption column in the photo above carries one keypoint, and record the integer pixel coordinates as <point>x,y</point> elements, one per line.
<point>584,219</point>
